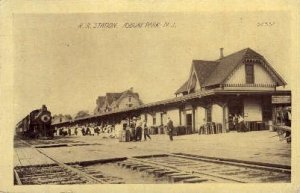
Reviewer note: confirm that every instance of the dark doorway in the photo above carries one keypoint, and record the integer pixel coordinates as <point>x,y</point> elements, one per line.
<point>235,108</point>
<point>189,121</point>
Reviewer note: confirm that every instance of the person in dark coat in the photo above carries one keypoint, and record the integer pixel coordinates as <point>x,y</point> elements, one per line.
<point>146,132</point>
<point>83,131</point>
<point>88,131</point>
<point>170,128</point>
<point>132,132</point>
<point>138,132</point>
<point>60,131</point>
<point>128,133</point>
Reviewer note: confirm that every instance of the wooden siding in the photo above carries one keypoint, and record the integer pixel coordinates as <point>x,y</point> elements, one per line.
<point>125,102</point>
<point>174,115</point>
<point>252,109</point>
<point>194,76</point>
<point>217,113</point>
<point>199,116</point>
<point>183,118</point>
<point>261,76</point>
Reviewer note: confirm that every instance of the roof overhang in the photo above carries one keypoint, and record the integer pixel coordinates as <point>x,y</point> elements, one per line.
<point>181,99</point>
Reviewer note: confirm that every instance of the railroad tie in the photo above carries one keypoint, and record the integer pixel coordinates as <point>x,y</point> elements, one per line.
<point>176,177</point>
<point>195,180</point>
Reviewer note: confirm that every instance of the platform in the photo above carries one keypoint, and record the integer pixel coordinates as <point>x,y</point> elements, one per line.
<point>258,146</point>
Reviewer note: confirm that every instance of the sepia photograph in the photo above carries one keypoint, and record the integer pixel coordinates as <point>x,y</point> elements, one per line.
<point>152,98</point>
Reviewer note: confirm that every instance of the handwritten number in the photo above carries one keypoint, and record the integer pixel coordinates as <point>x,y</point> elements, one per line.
<point>265,24</point>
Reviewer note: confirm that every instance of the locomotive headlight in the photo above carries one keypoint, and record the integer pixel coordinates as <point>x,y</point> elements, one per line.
<point>45,118</point>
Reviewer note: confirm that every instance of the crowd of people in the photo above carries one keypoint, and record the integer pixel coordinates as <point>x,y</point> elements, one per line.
<point>238,122</point>
<point>134,130</point>
<point>86,130</point>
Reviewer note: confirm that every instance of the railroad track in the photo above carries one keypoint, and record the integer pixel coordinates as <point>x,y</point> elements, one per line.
<point>59,173</point>
<point>188,168</point>
<point>165,168</point>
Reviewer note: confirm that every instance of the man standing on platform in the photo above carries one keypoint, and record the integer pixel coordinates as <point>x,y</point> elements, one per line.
<point>170,128</point>
<point>241,124</point>
<point>138,132</point>
<point>146,131</point>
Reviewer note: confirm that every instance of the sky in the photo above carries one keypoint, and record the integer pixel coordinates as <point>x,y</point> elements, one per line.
<point>67,67</point>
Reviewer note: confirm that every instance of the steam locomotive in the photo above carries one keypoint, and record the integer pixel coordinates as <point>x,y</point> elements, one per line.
<point>36,125</point>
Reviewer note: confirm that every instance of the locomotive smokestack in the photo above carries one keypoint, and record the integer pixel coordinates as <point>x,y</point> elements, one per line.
<point>221,53</point>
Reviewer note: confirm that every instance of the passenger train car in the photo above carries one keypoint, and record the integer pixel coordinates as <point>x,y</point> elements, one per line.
<point>36,125</point>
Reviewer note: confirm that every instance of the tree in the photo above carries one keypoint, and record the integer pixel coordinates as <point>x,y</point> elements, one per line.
<point>82,114</point>
<point>68,117</point>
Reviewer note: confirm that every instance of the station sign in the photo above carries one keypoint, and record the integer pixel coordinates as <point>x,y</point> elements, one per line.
<point>281,99</point>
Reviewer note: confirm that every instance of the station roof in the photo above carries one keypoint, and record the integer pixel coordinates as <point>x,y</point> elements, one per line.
<point>211,73</point>
<point>182,99</point>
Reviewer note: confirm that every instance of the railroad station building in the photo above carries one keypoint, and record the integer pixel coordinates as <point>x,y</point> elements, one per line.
<point>242,83</point>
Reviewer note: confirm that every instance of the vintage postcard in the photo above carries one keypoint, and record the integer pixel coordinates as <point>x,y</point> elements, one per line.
<point>149,97</point>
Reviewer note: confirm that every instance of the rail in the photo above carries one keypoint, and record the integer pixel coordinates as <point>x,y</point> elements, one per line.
<point>187,167</point>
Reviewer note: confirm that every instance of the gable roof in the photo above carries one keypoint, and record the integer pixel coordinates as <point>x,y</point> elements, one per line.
<point>224,67</point>
<point>111,97</point>
<point>203,69</point>
<point>228,64</point>
<point>183,88</point>
<point>211,73</point>
<point>128,93</point>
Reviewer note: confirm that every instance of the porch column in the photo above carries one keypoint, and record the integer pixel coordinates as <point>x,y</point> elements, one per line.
<point>180,122</point>
<point>225,126</point>
<point>193,119</point>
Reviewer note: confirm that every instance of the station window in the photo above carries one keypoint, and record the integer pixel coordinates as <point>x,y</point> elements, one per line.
<point>249,73</point>
<point>208,115</point>
<point>129,99</point>
<point>154,120</point>
<point>129,105</point>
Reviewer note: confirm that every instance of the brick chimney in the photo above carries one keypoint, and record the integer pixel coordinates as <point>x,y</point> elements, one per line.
<point>221,53</point>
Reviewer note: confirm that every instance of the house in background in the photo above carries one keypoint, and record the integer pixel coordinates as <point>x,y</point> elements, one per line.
<point>116,101</point>
<point>61,118</point>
